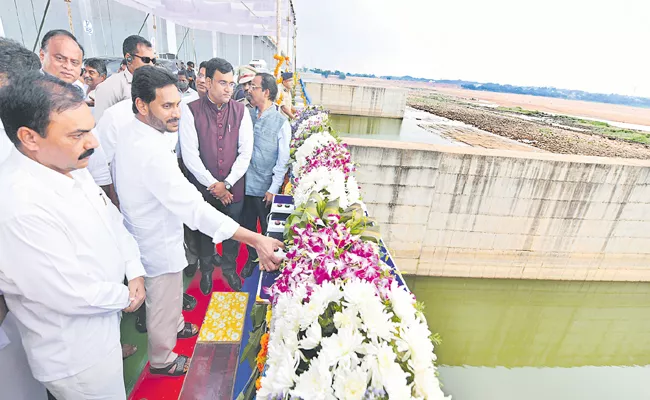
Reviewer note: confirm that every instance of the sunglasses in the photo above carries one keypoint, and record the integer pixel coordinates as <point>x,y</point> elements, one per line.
<point>146,60</point>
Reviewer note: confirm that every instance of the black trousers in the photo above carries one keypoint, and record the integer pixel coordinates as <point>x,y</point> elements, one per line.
<point>191,239</point>
<point>230,247</point>
<point>254,209</point>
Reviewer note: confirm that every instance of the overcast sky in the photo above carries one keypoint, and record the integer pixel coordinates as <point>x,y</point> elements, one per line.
<point>593,45</point>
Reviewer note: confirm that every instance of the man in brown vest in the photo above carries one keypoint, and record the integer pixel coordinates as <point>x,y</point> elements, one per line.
<point>216,140</point>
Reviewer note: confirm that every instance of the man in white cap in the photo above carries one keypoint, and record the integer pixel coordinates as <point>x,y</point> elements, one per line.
<point>246,74</point>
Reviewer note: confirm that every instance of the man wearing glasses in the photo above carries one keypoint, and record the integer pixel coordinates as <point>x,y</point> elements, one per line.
<point>216,140</point>
<point>137,53</point>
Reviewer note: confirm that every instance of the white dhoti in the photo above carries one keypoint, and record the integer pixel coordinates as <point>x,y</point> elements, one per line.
<point>102,381</point>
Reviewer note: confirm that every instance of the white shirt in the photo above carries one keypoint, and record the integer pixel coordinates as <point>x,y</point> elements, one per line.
<point>65,253</point>
<point>98,167</point>
<point>189,96</point>
<point>5,144</point>
<point>110,125</point>
<point>190,149</point>
<point>156,199</point>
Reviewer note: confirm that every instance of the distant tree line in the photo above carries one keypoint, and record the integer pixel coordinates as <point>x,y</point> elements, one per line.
<point>561,94</point>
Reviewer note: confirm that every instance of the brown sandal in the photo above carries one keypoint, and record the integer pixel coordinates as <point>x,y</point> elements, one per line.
<point>179,367</point>
<point>188,331</point>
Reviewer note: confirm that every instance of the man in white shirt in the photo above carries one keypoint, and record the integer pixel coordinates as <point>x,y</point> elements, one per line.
<point>137,53</point>
<point>216,138</point>
<point>61,56</point>
<point>64,247</point>
<point>187,93</point>
<point>15,376</point>
<point>94,74</point>
<point>157,200</point>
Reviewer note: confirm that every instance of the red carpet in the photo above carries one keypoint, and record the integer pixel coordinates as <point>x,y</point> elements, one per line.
<point>155,387</point>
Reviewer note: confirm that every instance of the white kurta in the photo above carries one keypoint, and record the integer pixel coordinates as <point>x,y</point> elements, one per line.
<point>65,253</point>
<point>110,125</point>
<point>156,199</point>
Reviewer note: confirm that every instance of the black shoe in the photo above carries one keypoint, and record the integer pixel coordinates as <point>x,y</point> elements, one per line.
<point>190,270</point>
<point>217,260</point>
<point>189,302</point>
<point>249,268</point>
<point>233,280</point>
<point>141,324</point>
<point>206,282</point>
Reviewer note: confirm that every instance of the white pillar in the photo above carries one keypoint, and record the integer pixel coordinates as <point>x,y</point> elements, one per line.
<point>214,44</point>
<point>172,46</point>
<point>239,49</point>
<point>278,21</point>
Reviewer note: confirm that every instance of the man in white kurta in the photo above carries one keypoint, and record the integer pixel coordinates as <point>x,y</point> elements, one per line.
<point>157,200</point>
<point>65,251</point>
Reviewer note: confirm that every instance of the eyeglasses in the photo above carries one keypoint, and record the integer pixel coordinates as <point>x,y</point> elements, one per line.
<point>253,87</point>
<point>147,60</point>
<point>225,84</point>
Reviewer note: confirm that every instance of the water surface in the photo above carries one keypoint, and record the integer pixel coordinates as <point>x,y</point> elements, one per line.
<point>539,340</point>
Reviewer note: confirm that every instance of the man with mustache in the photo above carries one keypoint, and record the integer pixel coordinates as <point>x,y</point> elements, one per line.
<point>61,56</point>
<point>216,138</point>
<point>157,200</point>
<point>94,74</point>
<point>65,250</point>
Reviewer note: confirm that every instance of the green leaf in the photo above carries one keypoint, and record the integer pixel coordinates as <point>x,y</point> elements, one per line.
<point>258,314</point>
<point>252,348</point>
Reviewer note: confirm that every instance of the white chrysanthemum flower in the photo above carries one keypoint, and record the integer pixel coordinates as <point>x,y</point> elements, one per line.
<point>309,312</point>
<point>313,336</point>
<point>342,345</point>
<point>351,384</point>
<point>352,186</point>
<point>348,318</point>
<point>315,383</point>
<point>403,303</point>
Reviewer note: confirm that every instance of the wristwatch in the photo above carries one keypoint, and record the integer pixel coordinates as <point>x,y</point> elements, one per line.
<point>228,186</point>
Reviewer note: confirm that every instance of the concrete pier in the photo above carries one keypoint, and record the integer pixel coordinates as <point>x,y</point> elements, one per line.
<point>471,212</point>
<point>367,101</point>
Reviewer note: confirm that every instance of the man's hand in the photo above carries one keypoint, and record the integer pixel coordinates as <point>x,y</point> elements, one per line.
<point>227,199</point>
<point>268,198</point>
<point>266,246</point>
<point>136,294</point>
<point>218,190</point>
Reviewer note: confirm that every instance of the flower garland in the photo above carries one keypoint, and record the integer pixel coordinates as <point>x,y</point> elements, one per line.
<point>342,327</point>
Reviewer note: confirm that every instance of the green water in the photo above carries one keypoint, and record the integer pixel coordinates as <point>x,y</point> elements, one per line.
<point>395,129</point>
<point>539,340</point>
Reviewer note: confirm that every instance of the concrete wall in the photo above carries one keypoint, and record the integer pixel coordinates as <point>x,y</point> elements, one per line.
<point>502,214</point>
<point>112,22</point>
<point>359,100</point>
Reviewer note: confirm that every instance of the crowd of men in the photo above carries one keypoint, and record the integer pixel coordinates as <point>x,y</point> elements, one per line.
<point>113,187</point>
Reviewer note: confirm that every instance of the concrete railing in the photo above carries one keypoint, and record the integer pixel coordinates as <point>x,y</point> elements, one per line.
<point>366,101</point>
<point>468,212</point>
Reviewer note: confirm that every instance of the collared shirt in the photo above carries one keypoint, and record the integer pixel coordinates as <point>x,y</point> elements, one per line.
<point>65,253</point>
<point>190,149</point>
<point>114,89</point>
<point>156,199</point>
<point>97,166</point>
<point>284,144</point>
<point>189,96</point>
